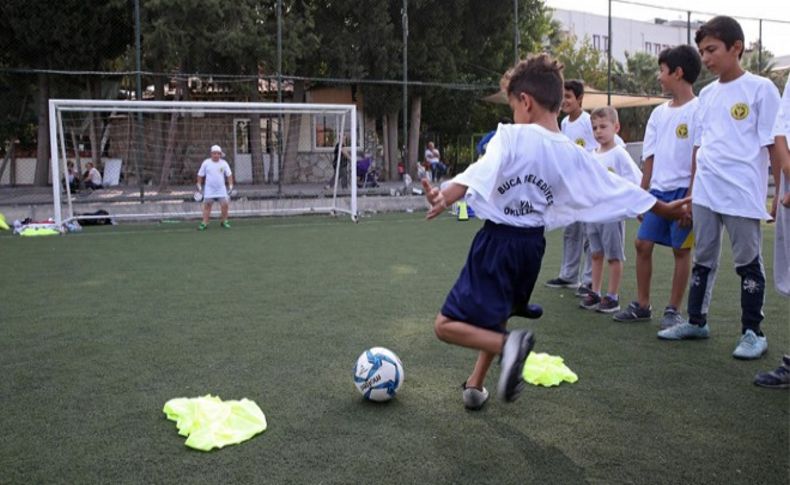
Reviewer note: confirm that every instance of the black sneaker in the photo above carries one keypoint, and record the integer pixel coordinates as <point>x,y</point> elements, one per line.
<point>775,379</point>
<point>583,290</point>
<point>608,305</point>
<point>560,283</point>
<point>591,301</point>
<point>532,311</point>
<point>517,347</point>
<point>633,313</point>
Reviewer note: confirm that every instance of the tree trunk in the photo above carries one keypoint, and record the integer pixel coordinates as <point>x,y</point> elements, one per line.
<point>169,151</point>
<point>392,147</point>
<point>294,130</point>
<point>42,149</point>
<point>414,131</point>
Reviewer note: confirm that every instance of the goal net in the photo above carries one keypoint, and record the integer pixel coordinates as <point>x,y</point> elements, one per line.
<point>283,157</point>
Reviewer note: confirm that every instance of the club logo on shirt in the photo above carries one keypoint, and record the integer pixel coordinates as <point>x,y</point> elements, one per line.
<point>580,142</point>
<point>682,131</point>
<point>739,111</point>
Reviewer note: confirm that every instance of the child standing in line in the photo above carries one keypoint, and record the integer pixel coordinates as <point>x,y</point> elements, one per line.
<point>780,377</point>
<point>667,173</point>
<point>607,240</point>
<point>531,177</point>
<point>575,247</point>
<point>733,137</point>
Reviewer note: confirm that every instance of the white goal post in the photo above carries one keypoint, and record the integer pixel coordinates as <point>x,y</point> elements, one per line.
<point>282,156</point>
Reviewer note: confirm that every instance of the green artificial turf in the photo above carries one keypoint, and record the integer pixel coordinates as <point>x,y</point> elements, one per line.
<point>99,329</point>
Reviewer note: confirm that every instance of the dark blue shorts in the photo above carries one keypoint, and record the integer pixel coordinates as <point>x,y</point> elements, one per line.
<point>499,274</point>
<point>666,232</point>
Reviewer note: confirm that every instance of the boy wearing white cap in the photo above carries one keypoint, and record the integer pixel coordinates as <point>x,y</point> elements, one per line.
<point>214,172</point>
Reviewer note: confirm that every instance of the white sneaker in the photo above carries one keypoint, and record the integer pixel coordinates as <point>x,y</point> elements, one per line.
<point>750,346</point>
<point>474,398</point>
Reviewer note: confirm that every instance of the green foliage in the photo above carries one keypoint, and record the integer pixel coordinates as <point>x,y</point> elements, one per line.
<point>584,62</point>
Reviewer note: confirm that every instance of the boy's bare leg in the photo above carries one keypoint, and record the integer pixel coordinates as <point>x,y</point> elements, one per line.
<point>644,271</point>
<point>224,208</point>
<point>466,335</point>
<point>615,275</point>
<point>206,212</point>
<point>478,377</point>
<point>597,272</point>
<point>680,276</point>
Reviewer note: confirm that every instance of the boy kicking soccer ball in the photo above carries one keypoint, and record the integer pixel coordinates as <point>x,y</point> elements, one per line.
<point>531,178</point>
<point>215,171</point>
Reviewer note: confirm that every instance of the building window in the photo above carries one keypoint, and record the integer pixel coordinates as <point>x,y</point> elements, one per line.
<point>597,42</point>
<point>326,128</point>
<point>648,47</point>
<point>606,43</point>
<point>658,49</point>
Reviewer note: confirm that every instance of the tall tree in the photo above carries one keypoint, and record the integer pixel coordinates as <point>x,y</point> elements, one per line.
<point>86,35</point>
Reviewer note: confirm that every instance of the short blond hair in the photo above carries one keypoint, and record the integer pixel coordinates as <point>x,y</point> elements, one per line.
<point>606,112</point>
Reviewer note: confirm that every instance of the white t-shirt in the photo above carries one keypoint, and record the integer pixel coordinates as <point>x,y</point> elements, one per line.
<point>431,155</point>
<point>669,139</point>
<point>733,130</point>
<point>782,251</point>
<point>782,125</point>
<point>619,141</point>
<point>580,131</point>
<point>531,177</point>
<point>95,176</point>
<point>215,173</point>
<point>619,162</point>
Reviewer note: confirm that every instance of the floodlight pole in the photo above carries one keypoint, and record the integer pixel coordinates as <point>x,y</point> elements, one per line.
<point>609,60</point>
<point>405,22</point>
<point>279,96</point>
<point>760,49</point>
<point>688,27</point>
<point>138,92</point>
<point>516,33</point>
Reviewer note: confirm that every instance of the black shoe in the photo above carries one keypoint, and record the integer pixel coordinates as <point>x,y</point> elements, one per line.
<point>532,312</point>
<point>561,283</point>
<point>583,290</point>
<point>517,347</point>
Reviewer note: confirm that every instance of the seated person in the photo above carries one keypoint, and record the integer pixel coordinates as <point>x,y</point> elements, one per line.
<point>72,176</point>
<point>92,177</point>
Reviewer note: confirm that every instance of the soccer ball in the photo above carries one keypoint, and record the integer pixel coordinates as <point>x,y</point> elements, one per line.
<point>378,374</point>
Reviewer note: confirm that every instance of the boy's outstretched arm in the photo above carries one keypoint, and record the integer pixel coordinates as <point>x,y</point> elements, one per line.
<point>677,209</point>
<point>440,200</point>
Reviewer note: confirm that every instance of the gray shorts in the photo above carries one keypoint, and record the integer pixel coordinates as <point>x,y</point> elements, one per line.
<point>608,238</point>
<point>211,200</point>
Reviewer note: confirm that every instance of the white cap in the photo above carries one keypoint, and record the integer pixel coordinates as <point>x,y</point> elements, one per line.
<point>216,148</point>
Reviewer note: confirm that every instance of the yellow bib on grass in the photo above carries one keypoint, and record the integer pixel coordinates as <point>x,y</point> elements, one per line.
<point>547,370</point>
<point>209,422</point>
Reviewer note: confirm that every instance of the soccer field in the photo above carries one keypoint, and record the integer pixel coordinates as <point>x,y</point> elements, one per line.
<point>99,329</point>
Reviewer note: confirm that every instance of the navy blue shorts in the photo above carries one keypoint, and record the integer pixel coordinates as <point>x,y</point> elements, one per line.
<point>499,274</point>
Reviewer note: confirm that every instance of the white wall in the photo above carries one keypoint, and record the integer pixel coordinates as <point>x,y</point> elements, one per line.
<point>629,35</point>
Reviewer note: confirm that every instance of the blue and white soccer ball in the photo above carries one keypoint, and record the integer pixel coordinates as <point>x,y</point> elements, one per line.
<point>378,374</point>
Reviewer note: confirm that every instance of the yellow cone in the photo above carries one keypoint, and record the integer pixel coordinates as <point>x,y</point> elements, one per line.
<point>3,224</point>
<point>463,213</point>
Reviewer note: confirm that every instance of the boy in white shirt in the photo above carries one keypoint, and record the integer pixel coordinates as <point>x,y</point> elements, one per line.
<point>607,239</point>
<point>215,171</point>
<point>530,177</point>
<point>667,173</point>
<point>780,377</point>
<point>92,177</point>
<point>578,128</point>
<point>734,125</point>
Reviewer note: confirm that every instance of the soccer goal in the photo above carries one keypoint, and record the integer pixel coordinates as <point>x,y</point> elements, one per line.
<point>283,157</point>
